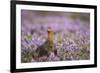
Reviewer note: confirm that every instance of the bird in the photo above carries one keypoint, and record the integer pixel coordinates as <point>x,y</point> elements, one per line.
<point>47,47</point>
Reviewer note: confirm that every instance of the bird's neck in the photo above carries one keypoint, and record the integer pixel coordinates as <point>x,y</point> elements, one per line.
<point>50,36</point>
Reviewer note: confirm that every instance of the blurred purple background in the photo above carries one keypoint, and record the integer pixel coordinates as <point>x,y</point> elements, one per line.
<point>71,35</point>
